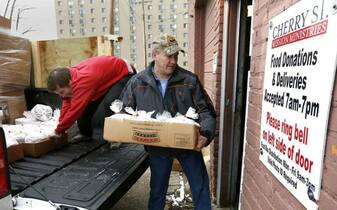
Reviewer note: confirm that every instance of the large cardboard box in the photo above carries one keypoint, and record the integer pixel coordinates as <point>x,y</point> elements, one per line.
<point>15,63</point>
<point>14,107</point>
<point>162,134</point>
<point>15,152</point>
<point>43,147</point>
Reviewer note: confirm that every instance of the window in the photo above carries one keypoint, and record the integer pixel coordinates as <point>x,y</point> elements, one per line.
<point>149,17</point>
<point>92,10</point>
<point>81,11</point>
<point>185,5</point>
<point>102,1</point>
<point>82,21</point>
<point>105,29</point>
<point>149,7</point>
<point>185,44</point>
<point>185,63</point>
<point>82,30</point>
<point>161,27</point>
<point>92,1</point>
<point>93,29</point>
<point>173,17</point>
<point>103,10</point>
<point>104,19</point>
<point>92,20</point>
<point>185,25</point>
<point>61,22</point>
<point>80,2</point>
<point>61,31</point>
<point>60,12</point>
<point>160,7</point>
<point>71,12</point>
<point>186,15</point>
<point>70,3</point>
<point>185,35</point>
<point>149,45</point>
<point>149,55</point>
<point>149,27</point>
<point>71,22</point>
<point>173,26</point>
<point>59,3</point>
<point>149,36</point>
<point>160,17</point>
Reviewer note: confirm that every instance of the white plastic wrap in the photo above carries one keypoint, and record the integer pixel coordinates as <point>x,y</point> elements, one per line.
<point>116,106</point>
<point>42,112</point>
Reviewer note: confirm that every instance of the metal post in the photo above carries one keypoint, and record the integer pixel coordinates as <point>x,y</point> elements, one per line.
<point>144,34</point>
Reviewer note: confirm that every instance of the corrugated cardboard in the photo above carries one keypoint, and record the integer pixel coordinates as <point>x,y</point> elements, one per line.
<point>15,152</point>
<point>15,107</point>
<point>15,63</point>
<point>5,22</point>
<point>43,147</point>
<point>162,134</point>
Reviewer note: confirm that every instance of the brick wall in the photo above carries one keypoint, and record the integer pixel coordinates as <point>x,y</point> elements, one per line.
<point>260,189</point>
<point>205,29</point>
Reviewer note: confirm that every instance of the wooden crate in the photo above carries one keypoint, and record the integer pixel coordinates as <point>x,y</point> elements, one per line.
<point>50,54</point>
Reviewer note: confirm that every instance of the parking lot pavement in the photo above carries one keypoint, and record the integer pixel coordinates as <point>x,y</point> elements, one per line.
<point>178,194</point>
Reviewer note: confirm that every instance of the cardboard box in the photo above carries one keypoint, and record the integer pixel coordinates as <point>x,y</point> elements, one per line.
<point>5,22</point>
<point>162,134</point>
<point>15,63</point>
<point>15,152</point>
<point>43,147</point>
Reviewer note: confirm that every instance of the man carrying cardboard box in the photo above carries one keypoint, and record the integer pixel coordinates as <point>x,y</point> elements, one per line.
<point>163,85</point>
<point>87,89</point>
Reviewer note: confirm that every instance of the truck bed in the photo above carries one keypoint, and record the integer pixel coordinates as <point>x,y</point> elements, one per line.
<point>86,174</point>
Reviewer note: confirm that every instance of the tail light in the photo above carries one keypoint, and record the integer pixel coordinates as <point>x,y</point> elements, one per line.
<point>4,177</point>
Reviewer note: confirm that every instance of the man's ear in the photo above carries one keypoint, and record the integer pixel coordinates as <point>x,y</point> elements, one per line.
<point>154,53</point>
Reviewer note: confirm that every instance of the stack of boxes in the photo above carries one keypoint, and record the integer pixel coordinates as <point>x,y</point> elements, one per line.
<point>15,71</point>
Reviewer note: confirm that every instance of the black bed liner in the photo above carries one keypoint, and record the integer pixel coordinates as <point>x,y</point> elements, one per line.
<point>95,181</point>
<point>85,174</point>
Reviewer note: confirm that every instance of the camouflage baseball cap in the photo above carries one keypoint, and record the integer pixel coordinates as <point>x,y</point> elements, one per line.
<point>168,44</point>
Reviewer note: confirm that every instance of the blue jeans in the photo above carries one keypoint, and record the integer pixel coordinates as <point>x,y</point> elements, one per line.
<point>195,170</point>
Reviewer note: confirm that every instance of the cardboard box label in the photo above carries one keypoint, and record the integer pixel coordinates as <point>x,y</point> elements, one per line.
<point>154,133</point>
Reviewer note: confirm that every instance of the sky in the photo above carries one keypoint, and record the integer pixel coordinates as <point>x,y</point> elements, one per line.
<point>37,18</point>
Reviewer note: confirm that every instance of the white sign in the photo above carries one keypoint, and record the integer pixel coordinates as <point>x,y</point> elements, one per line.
<point>299,77</point>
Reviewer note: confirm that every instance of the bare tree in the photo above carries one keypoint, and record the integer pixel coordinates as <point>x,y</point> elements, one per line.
<point>19,16</point>
<point>30,29</point>
<point>7,5</point>
<point>12,9</point>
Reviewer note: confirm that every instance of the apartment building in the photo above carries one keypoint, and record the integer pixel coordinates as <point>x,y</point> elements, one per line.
<point>79,18</point>
<point>137,19</point>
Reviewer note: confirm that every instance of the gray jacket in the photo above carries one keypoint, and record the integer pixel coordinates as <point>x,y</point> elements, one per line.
<point>184,90</point>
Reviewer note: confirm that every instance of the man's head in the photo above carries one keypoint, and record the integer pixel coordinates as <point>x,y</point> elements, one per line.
<point>59,81</point>
<point>165,52</point>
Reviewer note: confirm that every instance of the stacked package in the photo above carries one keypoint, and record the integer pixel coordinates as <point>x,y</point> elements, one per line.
<point>34,131</point>
<point>15,68</point>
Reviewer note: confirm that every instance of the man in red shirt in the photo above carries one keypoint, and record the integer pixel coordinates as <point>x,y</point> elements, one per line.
<point>87,90</point>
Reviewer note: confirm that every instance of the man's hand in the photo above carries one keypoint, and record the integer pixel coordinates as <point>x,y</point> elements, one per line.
<point>202,141</point>
<point>55,135</point>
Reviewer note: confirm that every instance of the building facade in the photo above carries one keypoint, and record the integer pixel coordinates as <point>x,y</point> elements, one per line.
<point>135,20</point>
<point>82,18</point>
<point>227,47</point>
